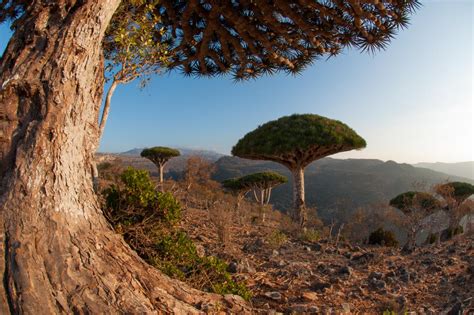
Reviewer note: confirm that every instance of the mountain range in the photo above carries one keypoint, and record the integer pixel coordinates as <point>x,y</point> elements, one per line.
<point>463,169</point>
<point>332,185</point>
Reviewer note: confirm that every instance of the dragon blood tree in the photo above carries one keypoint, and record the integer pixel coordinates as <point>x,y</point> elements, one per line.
<point>416,206</point>
<point>295,141</point>
<point>234,185</point>
<point>160,156</point>
<point>58,254</point>
<point>260,183</point>
<point>454,194</point>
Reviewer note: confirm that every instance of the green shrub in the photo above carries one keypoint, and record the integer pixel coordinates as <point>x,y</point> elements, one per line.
<point>310,235</point>
<point>276,239</point>
<point>147,220</point>
<point>382,237</point>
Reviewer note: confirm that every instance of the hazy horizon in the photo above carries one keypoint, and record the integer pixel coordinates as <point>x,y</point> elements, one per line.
<point>335,156</point>
<point>412,102</point>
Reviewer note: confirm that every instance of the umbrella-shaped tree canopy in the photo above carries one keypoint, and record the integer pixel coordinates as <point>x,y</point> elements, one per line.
<point>159,156</point>
<point>297,140</point>
<point>416,206</point>
<point>262,180</point>
<point>260,183</point>
<point>459,191</point>
<point>411,201</point>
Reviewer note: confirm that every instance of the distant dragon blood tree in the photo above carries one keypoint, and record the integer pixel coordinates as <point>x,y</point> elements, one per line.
<point>454,194</point>
<point>51,86</point>
<point>296,141</point>
<point>260,183</point>
<point>416,206</point>
<point>160,156</point>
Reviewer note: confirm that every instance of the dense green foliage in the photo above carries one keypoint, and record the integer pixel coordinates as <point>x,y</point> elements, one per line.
<point>148,221</point>
<point>176,256</point>
<point>261,180</point>
<point>411,200</point>
<point>383,237</point>
<point>159,154</point>
<point>304,138</point>
<point>136,194</point>
<point>130,46</point>
<point>235,185</point>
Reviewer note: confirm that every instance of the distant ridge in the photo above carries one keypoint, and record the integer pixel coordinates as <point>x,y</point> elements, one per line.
<point>462,169</point>
<point>332,185</point>
<point>207,154</point>
<point>336,185</point>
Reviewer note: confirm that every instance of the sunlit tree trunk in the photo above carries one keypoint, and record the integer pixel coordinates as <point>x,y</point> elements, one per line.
<point>298,196</point>
<point>58,254</point>
<point>161,168</point>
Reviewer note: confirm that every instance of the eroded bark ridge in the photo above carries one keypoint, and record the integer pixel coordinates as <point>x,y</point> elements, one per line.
<point>58,253</point>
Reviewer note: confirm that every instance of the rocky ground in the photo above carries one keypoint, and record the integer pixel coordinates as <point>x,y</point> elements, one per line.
<point>303,277</point>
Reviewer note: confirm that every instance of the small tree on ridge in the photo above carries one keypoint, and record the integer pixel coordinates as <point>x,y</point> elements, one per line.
<point>160,156</point>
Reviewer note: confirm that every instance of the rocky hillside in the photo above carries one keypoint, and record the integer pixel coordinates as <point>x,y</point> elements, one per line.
<point>289,275</point>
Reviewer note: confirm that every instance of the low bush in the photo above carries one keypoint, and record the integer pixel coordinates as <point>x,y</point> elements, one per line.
<point>276,239</point>
<point>383,237</point>
<point>310,235</point>
<point>148,219</point>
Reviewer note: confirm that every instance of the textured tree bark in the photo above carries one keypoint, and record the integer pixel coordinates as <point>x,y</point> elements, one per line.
<point>298,195</point>
<point>58,254</point>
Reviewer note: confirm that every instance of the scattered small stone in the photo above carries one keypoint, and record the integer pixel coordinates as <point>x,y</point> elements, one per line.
<point>346,308</point>
<point>232,267</point>
<point>376,275</point>
<point>346,270</point>
<point>316,246</point>
<point>303,309</point>
<point>402,300</point>
<point>377,284</point>
<point>281,263</point>
<point>309,296</point>
<point>200,250</point>
<point>320,286</point>
<point>274,295</point>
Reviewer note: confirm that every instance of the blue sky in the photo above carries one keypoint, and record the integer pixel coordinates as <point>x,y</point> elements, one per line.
<point>412,102</point>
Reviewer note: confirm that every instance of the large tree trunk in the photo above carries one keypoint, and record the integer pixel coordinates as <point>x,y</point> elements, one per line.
<point>298,195</point>
<point>58,254</point>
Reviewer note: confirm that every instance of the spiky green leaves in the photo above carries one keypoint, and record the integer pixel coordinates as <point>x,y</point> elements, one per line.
<point>159,155</point>
<point>298,140</point>
<point>262,180</point>
<point>411,201</point>
<point>251,38</point>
